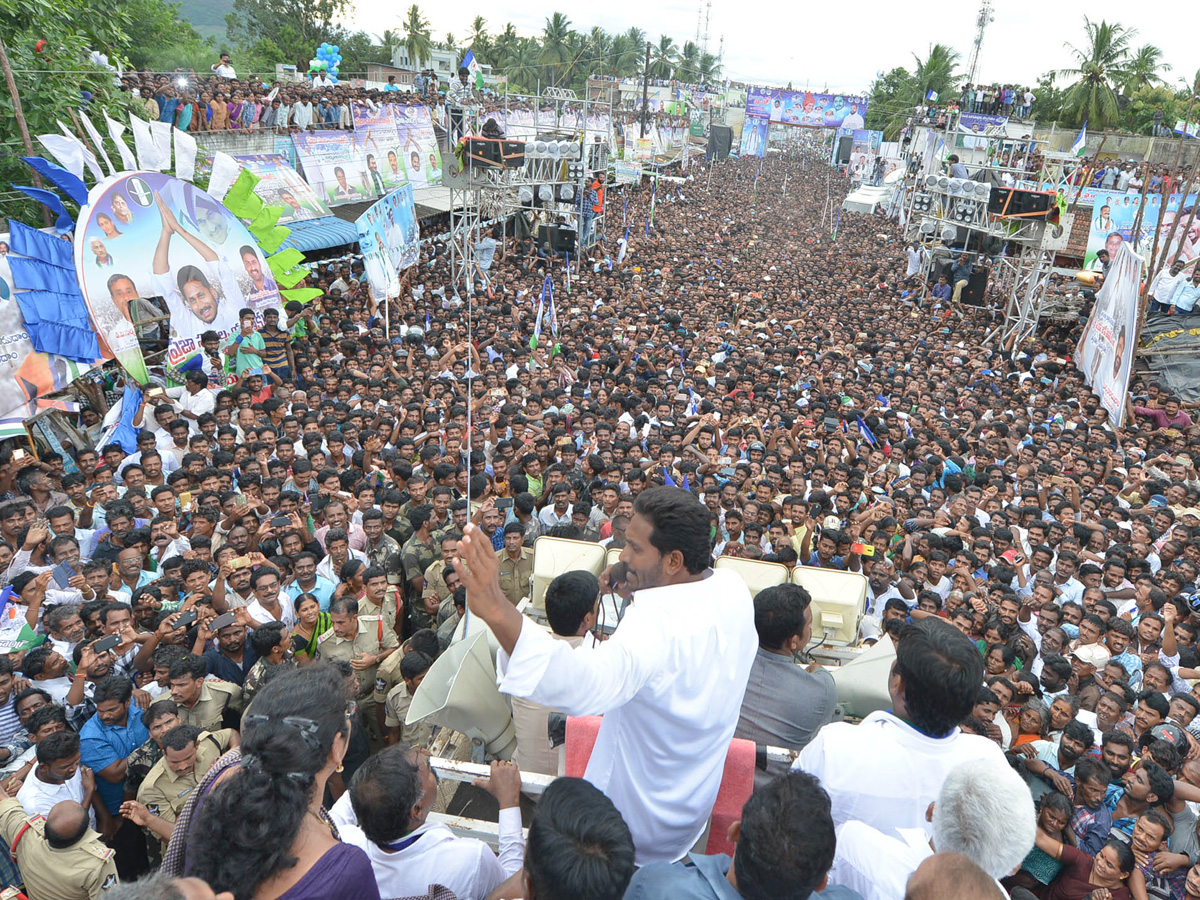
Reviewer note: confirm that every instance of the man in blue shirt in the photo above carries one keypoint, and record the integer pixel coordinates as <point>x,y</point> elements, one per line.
<point>106,741</point>
<point>1186,295</point>
<point>960,274</point>
<point>941,291</point>
<point>785,836</point>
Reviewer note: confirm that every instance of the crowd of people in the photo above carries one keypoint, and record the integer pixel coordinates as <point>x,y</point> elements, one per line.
<point>214,638</point>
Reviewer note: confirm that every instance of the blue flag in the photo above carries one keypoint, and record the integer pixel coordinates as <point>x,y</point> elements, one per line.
<point>667,479</point>
<point>52,202</point>
<point>866,432</point>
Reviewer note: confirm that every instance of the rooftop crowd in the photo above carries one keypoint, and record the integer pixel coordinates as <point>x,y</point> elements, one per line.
<point>213,642</point>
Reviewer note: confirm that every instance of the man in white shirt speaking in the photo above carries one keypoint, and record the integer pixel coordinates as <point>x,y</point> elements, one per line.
<point>886,770</point>
<point>669,682</point>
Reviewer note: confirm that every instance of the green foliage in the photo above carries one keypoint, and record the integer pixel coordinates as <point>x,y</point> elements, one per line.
<point>416,36</point>
<point>1048,106</point>
<point>1138,115</point>
<point>160,39</point>
<point>1099,68</point>
<point>294,27</point>
<point>889,102</point>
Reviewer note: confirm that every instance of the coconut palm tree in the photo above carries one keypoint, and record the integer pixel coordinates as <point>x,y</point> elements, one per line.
<point>938,71</point>
<point>1099,68</point>
<point>630,60</point>
<point>391,40</point>
<point>710,68</point>
<point>527,63</point>
<point>416,37</point>
<point>555,51</point>
<point>663,57</point>
<point>479,41</point>
<point>689,62</point>
<point>503,47</point>
<point>1142,70</point>
<point>599,52</point>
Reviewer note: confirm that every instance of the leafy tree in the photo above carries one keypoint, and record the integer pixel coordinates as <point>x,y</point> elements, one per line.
<point>889,102</point>
<point>938,71</point>
<point>1138,115</point>
<point>663,57</point>
<point>478,39</point>
<point>1099,68</point>
<point>159,38</point>
<point>555,54</point>
<point>1048,105</point>
<point>416,37</point>
<point>1143,69</point>
<point>295,27</point>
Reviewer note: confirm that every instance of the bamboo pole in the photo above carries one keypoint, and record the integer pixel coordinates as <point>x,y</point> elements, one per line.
<point>19,112</point>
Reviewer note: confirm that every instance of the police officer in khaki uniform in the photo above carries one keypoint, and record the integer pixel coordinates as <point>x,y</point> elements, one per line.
<point>363,641</point>
<point>59,855</point>
<point>516,564</point>
<point>202,703</point>
<point>188,754</point>
<point>413,666</point>
<point>378,599</point>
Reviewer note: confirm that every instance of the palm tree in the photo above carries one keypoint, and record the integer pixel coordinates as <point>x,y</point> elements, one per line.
<point>1099,67</point>
<point>527,63</point>
<point>630,59</point>
<point>599,52</point>
<point>710,68</point>
<point>391,40</point>
<point>689,62</point>
<point>663,57</point>
<point>416,37</point>
<point>555,52</point>
<point>504,48</point>
<point>449,43</point>
<point>938,71</point>
<point>478,39</point>
<point>1143,70</point>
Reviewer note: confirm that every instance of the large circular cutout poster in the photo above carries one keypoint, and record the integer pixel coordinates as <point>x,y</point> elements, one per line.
<point>149,245</point>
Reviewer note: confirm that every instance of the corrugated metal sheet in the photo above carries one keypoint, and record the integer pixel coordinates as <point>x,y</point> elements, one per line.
<point>320,234</point>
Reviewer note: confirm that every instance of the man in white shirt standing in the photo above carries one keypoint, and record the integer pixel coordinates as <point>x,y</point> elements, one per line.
<point>224,68</point>
<point>385,815</point>
<point>669,682</point>
<point>194,399</point>
<point>58,776</point>
<point>886,770</point>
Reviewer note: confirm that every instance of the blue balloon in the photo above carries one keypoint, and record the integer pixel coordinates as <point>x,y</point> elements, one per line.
<point>337,49</point>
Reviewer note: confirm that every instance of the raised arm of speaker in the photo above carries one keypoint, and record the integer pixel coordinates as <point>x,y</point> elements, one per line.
<point>477,565</point>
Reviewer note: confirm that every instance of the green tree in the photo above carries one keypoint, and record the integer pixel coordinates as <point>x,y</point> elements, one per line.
<point>938,71</point>
<point>478,39</point>
<point>296,27</point>
<point>689,62</point>
<point>1099,68</point>
<point>890,102</point>
<point>1048,105</point>
<point>1138,115</point>
<point>555,55</point>
<point>710,68</point>
<point>663,57</point>
<point>416,37</point>
<point>159,38</point>
<point>503,51</point>
<point>1143,70</point>
<point>631,56</point>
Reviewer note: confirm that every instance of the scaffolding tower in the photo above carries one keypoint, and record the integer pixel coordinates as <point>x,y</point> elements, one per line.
<point>548,188</point>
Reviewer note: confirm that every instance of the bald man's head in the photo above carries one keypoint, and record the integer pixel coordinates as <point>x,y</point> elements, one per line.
<point>66,824</point>
<point>951,876</point>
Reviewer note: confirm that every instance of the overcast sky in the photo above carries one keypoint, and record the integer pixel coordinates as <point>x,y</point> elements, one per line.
<point>834,44</point>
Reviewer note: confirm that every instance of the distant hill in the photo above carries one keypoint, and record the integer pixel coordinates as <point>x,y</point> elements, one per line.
<point>208,16</point>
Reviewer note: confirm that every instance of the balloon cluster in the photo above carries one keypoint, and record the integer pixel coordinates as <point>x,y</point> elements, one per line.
<point>327,60</point>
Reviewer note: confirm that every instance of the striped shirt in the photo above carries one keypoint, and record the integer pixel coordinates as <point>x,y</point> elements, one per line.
<point>9,723</point>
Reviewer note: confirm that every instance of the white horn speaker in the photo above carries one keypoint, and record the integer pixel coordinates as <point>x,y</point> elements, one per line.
<point>459,691</point>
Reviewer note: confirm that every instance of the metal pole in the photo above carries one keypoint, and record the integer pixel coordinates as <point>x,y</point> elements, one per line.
<point>646,90</point>
<point>19,113</point>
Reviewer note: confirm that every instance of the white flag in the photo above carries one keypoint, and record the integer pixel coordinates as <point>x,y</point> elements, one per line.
<point>89,158</point>
<point>95,136</point>
<point>69,154</point>
<point>185,155</point>
<point>225,170</point>
<point>115,130</point>
<point>161,132</point>
<point>143,143</point>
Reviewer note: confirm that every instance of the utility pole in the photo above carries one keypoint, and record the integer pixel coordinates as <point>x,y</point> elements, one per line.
<point>646,90</point>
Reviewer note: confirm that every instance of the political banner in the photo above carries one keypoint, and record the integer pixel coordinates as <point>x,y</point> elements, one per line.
<point>25,374</point>
<point>805,109</point>
<point>1180,227</point>
<point>975,125</point>
<point>754,137</point>
<point>149,244</point>
<point>281,185</point>
<point>285,148</point>
<point>1106,347</point>
<point>1113,215</point>
<point>627,172</point>
<point>390,240</point>
<point>340,166</point>
<point>404,140</point>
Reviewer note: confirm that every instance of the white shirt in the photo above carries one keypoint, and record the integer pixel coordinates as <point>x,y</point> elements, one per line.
<point>199,403</point>
<point>38,798</point>
<point>287,609</point>
<point>883,771</point>
<point>877,865</point>
<point>669,683</point>
<point>224,71</point>
<point>466,866</point>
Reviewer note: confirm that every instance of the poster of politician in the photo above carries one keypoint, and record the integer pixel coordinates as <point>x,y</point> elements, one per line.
<point>25,374</point>
<point>147,235</point>
<point>341,166</point>
<point>281,185</point>
<point>805,109</point>
<point>754,138</point>
<point>404,136</point>
<point>390,240</point>
<point>1106,346</point>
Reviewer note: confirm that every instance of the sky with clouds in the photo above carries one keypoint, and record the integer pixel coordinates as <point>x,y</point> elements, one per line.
<point>818,46</point>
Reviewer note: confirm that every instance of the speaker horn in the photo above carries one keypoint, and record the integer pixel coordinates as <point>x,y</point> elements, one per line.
<point>459,691</point>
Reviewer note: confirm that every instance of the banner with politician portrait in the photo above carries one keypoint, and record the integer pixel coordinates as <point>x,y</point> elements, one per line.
<point>404,138</point>
<point>147,245</point>
<point>390,240</point>
<point>1106,346</point>
<point>281,185</point>
<point>806,109</point>
<point>341,166</point>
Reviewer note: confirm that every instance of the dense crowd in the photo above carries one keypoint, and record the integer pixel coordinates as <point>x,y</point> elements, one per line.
<point>213,641</point>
